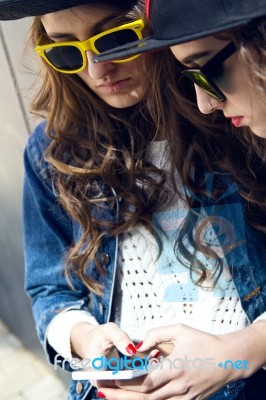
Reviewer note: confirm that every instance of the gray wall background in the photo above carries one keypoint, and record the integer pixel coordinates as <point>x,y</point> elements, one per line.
<point>15,125</point>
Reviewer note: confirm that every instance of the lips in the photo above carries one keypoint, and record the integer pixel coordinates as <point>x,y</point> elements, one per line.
<point>236,121</point>
<point>115,86</point>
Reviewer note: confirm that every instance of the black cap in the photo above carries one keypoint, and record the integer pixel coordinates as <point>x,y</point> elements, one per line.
<point>15,9</point>
<point>179,21</point>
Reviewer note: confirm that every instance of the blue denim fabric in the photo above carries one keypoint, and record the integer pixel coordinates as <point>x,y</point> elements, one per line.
<point>48,232</point>
<point>253,388</point>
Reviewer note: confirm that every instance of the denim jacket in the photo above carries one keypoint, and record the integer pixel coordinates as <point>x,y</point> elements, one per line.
<point>49,231</point>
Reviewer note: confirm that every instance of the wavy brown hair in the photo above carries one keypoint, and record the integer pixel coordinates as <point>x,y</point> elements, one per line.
<point>209,143</point>
<point>98,153</point>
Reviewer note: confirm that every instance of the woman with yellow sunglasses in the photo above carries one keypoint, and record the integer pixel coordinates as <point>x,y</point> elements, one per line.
<point>97,116</point>
<point>115,184</point>
<point>69,51</point>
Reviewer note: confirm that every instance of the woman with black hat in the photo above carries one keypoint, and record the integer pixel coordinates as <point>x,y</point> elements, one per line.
<point>221,47</point>
<point>228,69</point>
<point>106,196</point>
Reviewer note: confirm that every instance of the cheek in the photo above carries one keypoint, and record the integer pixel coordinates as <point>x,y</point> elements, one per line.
<point>243,87</point>
<point>86,78</point>
<point>174,51</point>
<point>137,70</point>
<point>177,53</point>
<point>136,67</point>
<point>234,82</point>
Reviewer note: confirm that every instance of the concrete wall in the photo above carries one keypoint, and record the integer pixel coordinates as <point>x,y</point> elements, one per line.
<point>15,124</point>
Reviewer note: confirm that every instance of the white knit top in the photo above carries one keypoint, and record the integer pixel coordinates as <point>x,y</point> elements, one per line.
<point>152,291</point>
<point>159,291</point>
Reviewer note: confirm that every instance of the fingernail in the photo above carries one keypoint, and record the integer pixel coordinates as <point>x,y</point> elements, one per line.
<point>138,345</point>
<point>101,395</point>
<point>157,354</point>
<point>131,349</point>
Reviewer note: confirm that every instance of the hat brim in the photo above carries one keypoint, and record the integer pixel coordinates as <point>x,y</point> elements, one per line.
<point>151,44</point>
<point>16,9</point>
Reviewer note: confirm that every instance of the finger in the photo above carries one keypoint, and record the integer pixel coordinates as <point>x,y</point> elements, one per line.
<point>114,336</point>
<point>157,337</point>
<point>105,383</point>
<point>173,390</point>
<point>105,339</point>
<point>154,358</point>
<point>162,349</point>
<point>160,373</point>
<point>166,348</point>
<point>130,384</point>
<point>119,394</point>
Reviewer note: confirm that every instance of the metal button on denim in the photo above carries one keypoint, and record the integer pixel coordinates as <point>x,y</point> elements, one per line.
<point>79,387</point>
<point>101,308</point>
<point>104,259</point>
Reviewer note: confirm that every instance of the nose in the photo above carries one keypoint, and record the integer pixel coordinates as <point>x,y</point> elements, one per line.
<point>98,70</point>
<point>206,103</point>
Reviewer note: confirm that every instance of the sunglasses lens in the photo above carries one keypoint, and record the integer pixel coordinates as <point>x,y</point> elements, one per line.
<point>115,39</point>
<point>199,79</point>
<point>67,58</point>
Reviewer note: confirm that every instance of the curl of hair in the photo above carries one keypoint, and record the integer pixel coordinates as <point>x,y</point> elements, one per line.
<point>98,154</point>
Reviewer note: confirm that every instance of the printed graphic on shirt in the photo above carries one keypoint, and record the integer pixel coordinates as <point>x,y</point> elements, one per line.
<point>215,237</point>
<point>158,289</point>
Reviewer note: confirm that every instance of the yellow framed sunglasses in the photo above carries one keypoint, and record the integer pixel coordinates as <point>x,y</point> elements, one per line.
<point>70,57</point>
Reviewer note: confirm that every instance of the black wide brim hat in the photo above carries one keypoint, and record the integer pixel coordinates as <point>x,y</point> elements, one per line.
<point>16,9</point>
<point>179,21</point>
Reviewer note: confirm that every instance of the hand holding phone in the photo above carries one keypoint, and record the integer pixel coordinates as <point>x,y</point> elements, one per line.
<point>113,374</point>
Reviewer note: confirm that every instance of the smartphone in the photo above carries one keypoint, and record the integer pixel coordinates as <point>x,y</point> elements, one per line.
<point>106,375</point>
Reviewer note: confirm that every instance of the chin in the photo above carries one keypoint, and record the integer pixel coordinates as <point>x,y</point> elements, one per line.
<point>123,104</point>
<point>259,131</point>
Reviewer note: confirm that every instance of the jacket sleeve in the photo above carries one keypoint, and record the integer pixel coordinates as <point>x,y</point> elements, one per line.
<point>48,233</point>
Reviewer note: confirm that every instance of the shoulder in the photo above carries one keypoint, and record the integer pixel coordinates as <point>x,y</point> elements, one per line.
<point>34,155</point>
<point>38,143</point>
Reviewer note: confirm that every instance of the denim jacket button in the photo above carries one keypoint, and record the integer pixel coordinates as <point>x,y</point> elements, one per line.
<point>101,308</point>
<point>104,259</point>
<point>79,387</point>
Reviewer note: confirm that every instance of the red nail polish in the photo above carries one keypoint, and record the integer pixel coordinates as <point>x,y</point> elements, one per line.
<point>157,354</point>
<point>101,395</point>
<point>138,345</point>
<point>131,349</point>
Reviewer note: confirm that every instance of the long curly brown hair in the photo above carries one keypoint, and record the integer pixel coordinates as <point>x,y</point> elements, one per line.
<point>98,153</point>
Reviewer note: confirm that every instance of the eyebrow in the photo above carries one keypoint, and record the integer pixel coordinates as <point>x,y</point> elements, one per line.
<point>98,28</point>
<point>195,57</point>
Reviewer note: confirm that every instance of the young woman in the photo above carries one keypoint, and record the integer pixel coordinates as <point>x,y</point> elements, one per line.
<point>236,83</point>
<point>141,210</point>
<point>222,51</point>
